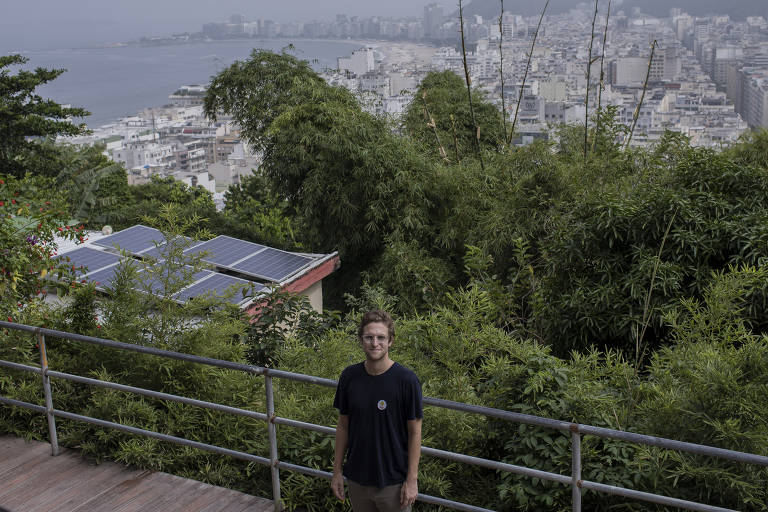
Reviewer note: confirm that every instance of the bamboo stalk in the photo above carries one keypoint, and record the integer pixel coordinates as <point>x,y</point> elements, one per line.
<point>589,77</point>
<point>501,71</point>
<point>602,73</point>
<point>647,304</point>
<point>642,97</point>
<point>469,87</point>
<point>431,123</point>
<point>525,75</point>
<point>455,139</point>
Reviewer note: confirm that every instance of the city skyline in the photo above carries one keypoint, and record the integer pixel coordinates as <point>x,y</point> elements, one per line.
<point>47,24</point>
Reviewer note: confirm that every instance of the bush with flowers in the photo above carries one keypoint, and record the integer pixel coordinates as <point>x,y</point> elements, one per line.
<point>32,215</point>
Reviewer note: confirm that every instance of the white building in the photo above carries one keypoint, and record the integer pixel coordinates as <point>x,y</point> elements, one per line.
<point>359,63</point>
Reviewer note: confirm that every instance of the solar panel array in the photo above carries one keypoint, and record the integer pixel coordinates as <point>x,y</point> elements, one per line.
<point>247,258</point>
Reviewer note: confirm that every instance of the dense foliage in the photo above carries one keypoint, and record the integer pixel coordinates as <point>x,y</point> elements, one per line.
<point>621,288</point>
<point>25,114</point>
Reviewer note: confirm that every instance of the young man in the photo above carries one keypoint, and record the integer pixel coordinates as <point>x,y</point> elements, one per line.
<point>379,427</point>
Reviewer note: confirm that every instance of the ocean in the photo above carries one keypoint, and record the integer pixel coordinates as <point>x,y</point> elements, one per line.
<point>115,82</point>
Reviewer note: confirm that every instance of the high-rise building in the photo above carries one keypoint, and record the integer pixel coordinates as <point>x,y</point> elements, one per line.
<point>433,18</point>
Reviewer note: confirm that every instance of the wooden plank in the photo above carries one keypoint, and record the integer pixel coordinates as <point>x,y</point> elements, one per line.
<point>34,481</point>
<point>157,491</point>
<point>116,496</point>
<point>48,476</point>
<point>15,452</point>
<point>90,482</point>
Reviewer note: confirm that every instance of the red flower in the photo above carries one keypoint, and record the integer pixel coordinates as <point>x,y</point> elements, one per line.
<point>13,201</point>
<point>2,203</point>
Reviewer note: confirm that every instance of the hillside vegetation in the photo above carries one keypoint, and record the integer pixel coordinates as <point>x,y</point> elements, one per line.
<point>623,288</point>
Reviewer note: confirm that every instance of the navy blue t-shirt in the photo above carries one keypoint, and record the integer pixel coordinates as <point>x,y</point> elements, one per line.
<point>379,407</point>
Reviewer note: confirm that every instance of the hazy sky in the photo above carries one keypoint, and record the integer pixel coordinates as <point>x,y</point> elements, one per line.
<point>46,24</point>
<point>37,24</point>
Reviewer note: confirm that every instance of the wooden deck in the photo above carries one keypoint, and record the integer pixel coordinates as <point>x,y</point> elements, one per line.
<point>31,480</point>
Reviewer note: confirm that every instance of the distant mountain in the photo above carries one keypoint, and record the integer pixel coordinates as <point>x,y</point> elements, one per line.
<point>737,9</point>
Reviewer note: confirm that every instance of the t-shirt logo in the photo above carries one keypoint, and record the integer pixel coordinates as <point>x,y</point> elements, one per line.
<point>382,405</point>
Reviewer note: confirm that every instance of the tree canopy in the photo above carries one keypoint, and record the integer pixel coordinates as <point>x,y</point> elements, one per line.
<point>26,118</point>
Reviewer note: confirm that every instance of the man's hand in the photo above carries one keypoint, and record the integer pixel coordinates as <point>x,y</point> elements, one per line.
<point>408,492</point>
<point>337,484</point>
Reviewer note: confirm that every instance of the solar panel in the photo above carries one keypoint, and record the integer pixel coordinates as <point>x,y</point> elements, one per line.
<point>156,284</point>
<point>158,252</point>
<point>104,278</point>
<point>90,259</point>
<point>224,250</point>
<point>135,239</point>
<point>218,285</point>
<point>272,264</point>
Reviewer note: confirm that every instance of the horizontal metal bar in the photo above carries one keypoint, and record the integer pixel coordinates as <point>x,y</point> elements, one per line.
<point>671,444</point>
<point>163,437</point>
<point>500,466</point>
<point>306,426</point>
<point>300,377</point>
<point>514,417</point>
<point>653,498</point>
<point>162,396</point>
<point>304,470</point>
<point>22,367</point>
<point>230,365</point>
<point>421,497</point>
<point>25,405</point>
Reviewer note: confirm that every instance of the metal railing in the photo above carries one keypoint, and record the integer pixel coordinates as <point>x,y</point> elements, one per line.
<point>576,430</point>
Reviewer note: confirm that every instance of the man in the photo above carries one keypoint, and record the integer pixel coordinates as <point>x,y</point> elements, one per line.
<point>379,427</point>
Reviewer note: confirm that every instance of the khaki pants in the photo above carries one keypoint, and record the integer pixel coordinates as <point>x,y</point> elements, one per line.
<point>374,499</point>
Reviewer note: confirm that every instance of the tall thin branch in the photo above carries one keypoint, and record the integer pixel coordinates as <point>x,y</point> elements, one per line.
<point>642,97</point>
<point>501,71</point>
<point>602,58</point>
<point>589,77</point>
<point>525,75</point>
<point>431,122</point>
<point>602,73</point>
<point>469,87</point>
<point>647,304</point>
<point>455,139</point>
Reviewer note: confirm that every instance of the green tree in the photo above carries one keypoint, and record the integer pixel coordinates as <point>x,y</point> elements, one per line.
<point>439,116</point>
<point>146,201</point>
<point>25,114</point>
<point>97,188</point>
<point>253,211</point>
<point>258,90</point>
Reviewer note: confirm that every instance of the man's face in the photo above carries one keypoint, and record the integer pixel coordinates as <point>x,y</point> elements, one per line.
<point>375,341</point>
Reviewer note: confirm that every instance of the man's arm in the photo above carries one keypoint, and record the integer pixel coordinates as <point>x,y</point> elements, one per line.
<point>410,487</point>
<point>342,438</point>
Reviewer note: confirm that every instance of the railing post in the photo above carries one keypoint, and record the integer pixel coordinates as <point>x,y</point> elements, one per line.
<point>47,391</point>
<point>576,467</point>
<point>272,432</point>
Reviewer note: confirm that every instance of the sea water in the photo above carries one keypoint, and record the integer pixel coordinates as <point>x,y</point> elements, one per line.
<point>115,82</point>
